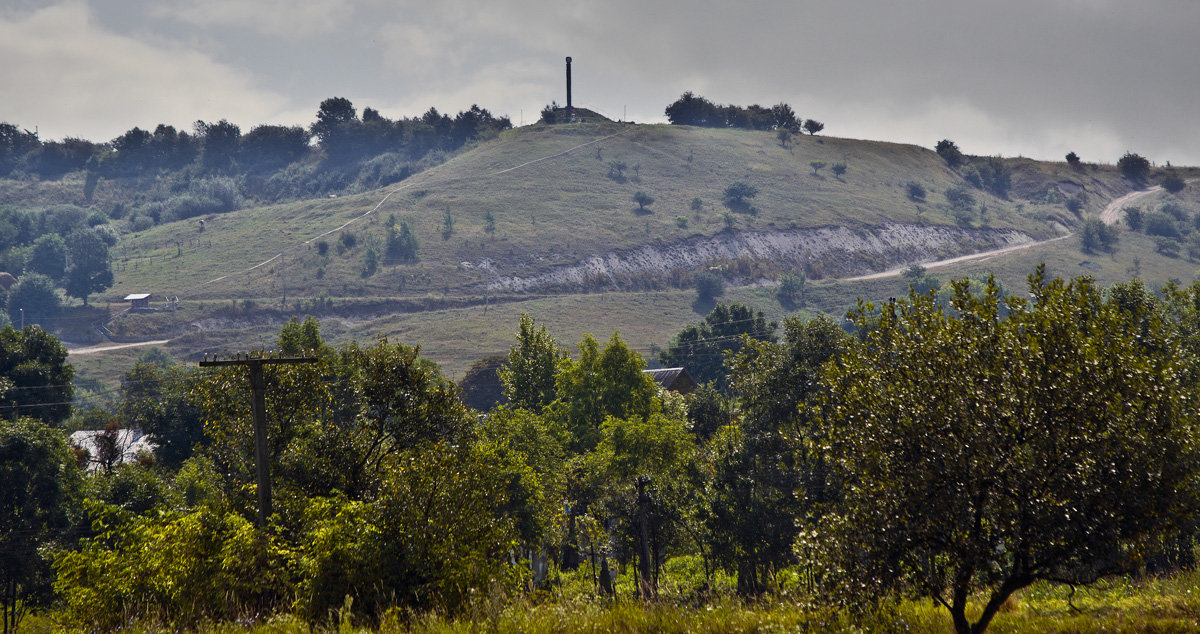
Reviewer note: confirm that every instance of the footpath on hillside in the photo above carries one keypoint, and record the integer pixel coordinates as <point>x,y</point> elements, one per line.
<point>1110,215</point>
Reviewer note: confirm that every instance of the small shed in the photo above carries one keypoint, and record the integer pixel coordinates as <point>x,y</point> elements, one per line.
<point>138,301</point>
<point>674,379</point>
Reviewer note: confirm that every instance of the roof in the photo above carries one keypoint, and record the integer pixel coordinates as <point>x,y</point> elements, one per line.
<point>136,296</point>
<point>675,379</point>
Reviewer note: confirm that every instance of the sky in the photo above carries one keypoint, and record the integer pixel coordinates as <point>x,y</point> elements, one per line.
<point>1035,78</point>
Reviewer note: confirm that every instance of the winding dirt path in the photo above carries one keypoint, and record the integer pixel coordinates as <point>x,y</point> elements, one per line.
<point>1110,215</point>
<point>116,346</point>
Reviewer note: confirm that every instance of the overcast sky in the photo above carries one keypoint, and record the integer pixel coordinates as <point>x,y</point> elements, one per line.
<point>1035,78</point>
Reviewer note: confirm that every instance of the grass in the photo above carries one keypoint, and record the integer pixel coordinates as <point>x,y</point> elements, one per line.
<point>1148,605</point>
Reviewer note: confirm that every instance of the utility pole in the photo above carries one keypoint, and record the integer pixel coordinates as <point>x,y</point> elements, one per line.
<point>254,362</point>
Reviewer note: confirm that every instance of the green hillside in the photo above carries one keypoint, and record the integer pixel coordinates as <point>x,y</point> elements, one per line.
<point>543,220</point>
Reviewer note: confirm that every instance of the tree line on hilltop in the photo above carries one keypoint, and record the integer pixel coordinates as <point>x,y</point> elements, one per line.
<point>957,448</point>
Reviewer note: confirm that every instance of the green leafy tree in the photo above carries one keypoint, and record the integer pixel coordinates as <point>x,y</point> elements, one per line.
<point>48,256</point>
<point>709,285</point>
<point>812,126</point>
<point>160,401</point>
<point>1134,218</point>
<point>34,364</point>
<point>767,480</point>
<point>1173,182</point>
<point>817,166</point>
<point>529,378</point>
<point>839,168</point>
<point>982,454</point>
<point>701,348</point>
<point>301,337</point>
<point>599,384</point>
<point>1096,235</point>
<point>402,243</point>
<point>34,294</point>
<point>40,483</point>
<point>737,195</point>
<point>481,386</point>
<point>643,200</point>
<point>88,267</point>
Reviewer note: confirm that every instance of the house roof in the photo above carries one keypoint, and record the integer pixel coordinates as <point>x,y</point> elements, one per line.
<point>136,296</point>
<point>676,379</point>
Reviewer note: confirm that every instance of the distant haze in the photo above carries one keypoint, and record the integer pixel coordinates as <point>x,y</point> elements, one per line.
<point>1020,77</point>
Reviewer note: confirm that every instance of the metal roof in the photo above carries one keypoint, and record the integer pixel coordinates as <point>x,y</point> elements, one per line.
<point>135,296</point>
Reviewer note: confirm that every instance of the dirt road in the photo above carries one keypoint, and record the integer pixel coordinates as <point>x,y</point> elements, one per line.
<point>1110,215</point>
<point>116,346</point>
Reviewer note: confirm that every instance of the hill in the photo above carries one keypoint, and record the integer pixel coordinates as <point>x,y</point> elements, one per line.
<point>543,219</point>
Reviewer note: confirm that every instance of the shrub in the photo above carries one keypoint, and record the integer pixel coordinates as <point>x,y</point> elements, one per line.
<point>916,191</point>
<point>1173,182</point>
<point>370,262</point>
<point>959,197</point>
<point>1134,218</point>
<point>1096,236</point>
<point>681,222</point>
<point>839,168</point>
<point>1075,203</point>
<point>1166,246</point>
<point>1174,209</point>
<point>1073,160</point>
<point>709,285</point>
<point>697,204</point>
<point>401,243</point>
<point>348,240</point>
<point>950,153</point>
<point>1134,166</point>
<point>737,195</point>
<point>322,248</point>
<point>791,289</point>
<point>1158,223</point>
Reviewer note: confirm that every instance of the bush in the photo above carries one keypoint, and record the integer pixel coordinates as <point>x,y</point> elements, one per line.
<point>1158,223</point>
<point>1174,209</point>
<point>1134,218</point>
<point>401,243</point>
<point>681,222</point>
<point>1096,236</point>
<point>1073,160</point>
<point>1076,202</point>
<point>916,191</point>
<point>1166,246</point>
<point>791,289</point>
<point>322,248</point>
<point>950,153</point>
<point>1134,167</point>
<point>959,197</point>
<point>1173,182</point>
<point>35,293</point>
<point>737,195</point>
<point>709,285</point>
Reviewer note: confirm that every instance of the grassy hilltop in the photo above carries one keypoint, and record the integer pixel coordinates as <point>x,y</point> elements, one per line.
<point>536,201</point>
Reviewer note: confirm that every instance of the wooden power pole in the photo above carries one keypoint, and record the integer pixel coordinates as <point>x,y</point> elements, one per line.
<point>258,392</point>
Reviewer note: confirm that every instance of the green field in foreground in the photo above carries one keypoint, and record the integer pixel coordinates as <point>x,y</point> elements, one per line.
<point>1150,605</point>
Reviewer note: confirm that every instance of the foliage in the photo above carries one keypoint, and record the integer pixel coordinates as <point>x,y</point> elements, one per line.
<point>180,569</point>
<point>299,338</point>
<point>991,174</point>
<point>160,401</point>
<point>959,197</point>
<point>1135,167</point>
<point>1134,218</point>
<point>839,168</point>
<point>402,243</point>
<point>40,482</point>
<point>812,126</point>
<point>817,166</point>
<point>48,256</point>
<point>791,289</point>
<point>35,378</point>
<point>981,453</point>
<point>481,387</point>
<point>692,109</point>
<point>950,153</point>
<point>35,294</point>
<point>1173,182</point>
<point>528,380</point>
<point>643,200</point>
<point>915,191</point>
<point>767,485</point>
<point>709,285</point>
<point>1096,235</point>
<point>89,270</point>
<point>1157,223</point>
<point>1073,160</point>
<point>737,195</point>
<point>701,348</point>
<point>599,384</point>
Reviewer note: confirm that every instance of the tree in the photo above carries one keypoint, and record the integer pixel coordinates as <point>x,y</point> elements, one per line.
<point>39,480</point>
<point>481,386</point>
<point>737,195</point>
<point>767,481</point>
<point>48,256</point>
<point>702,348</point>
<point>528,379</point>
<point>270,147</point>
<point>643,200</point>
<point>817,166</point>
<point>1073,160</point>
<point>959,197</point>
<point>599,384</point>
<point>839,169</point>
<point>88,268</point>
<point>160,401</point>
<point>34,294</point>
<point>982,453</point>
<point>1135,167</point>
<point>915,191</point>
<point>219,142</point>
<point>332,113</point>
<point>402,243</point>
<point>950,153</point>
<point>692,109</point>
<point>812,126</point>
<point>784,136</point>
<point>785,118</point>
<point>298,338</point>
